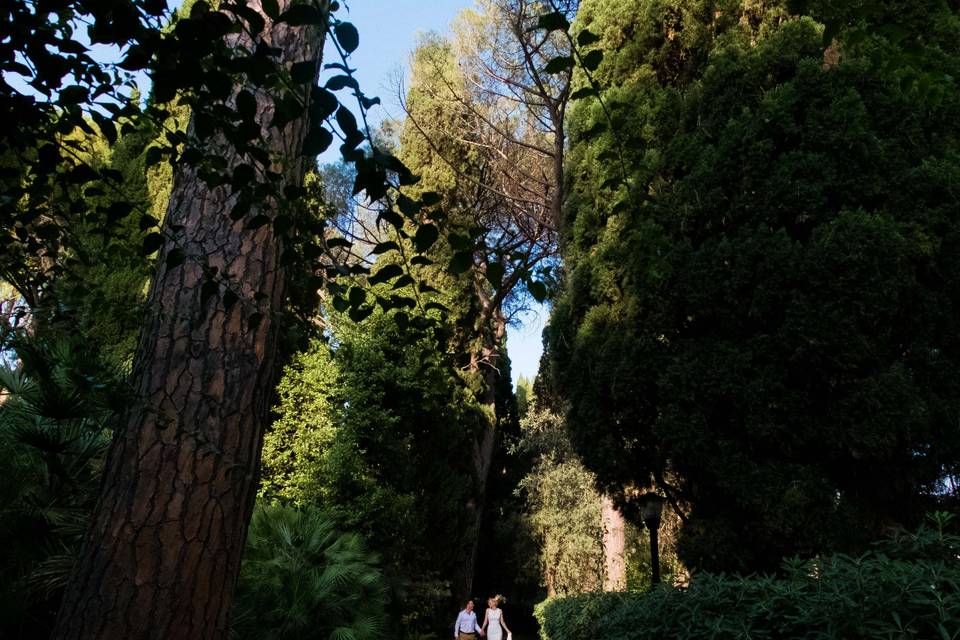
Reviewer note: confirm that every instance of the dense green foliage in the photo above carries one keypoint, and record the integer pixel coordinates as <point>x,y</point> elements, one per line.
<point>562,506</point>
<point>904,588</point>
<point>758,317</point>
<point>762,266</point>
<point>375,432</point>
<point>55,413</point>
<point>303,579</point>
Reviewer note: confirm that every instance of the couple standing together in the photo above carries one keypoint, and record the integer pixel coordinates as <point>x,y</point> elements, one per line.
<point>467,628</point>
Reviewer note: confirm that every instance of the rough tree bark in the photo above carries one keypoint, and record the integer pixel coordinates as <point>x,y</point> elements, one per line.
<point>163,554</point>
<point>614,547</point>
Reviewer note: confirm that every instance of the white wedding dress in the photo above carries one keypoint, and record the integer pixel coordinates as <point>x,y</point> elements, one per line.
<point>494,630</point>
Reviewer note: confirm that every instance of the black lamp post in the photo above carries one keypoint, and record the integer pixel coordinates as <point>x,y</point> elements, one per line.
<point>651,506</point>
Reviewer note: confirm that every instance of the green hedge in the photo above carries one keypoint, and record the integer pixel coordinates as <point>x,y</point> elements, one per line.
<point>907,587</point>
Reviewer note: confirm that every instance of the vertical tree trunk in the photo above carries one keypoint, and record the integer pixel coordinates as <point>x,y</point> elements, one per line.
<point>163,554</point>
<point>614,547</point>
<point>556,197</point>
<point>484,362</point>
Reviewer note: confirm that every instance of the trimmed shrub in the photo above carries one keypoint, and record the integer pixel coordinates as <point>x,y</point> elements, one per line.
<point>906,587</point>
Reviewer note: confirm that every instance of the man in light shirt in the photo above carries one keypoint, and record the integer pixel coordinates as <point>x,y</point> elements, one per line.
<point>466,627</point>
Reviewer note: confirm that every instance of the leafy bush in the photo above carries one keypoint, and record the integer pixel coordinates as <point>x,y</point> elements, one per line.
<point>373,431</point>
<point>56,409</point>
<point>906,587</point>
<point>302,578</point>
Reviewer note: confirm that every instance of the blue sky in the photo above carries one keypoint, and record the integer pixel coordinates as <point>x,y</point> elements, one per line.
<point>388,33</point>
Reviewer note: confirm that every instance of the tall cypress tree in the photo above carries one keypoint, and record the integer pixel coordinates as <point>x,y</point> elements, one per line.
<point>760,308</point>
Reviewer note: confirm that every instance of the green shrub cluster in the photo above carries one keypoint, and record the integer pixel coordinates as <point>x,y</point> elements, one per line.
<point>906,587</point>
<point>303,578</point>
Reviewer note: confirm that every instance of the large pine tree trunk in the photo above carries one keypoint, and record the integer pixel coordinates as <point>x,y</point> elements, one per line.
<point>163,555</point>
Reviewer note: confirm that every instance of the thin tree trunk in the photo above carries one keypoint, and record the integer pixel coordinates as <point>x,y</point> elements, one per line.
<point>485,362</point>
<point>614,547</point>
<point>163,554</point>
<point>556,198</point>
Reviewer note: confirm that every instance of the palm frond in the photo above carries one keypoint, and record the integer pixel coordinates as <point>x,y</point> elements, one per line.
<point>301,578</point>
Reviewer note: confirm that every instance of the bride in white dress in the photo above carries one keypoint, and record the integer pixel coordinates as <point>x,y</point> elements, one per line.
<point>494,618</point>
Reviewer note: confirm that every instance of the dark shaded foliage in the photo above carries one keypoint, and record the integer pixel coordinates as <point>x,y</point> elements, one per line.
<point>765,303</point>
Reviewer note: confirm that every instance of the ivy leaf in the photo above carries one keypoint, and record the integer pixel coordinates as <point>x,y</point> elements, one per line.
<point>494,273</point>
<point>357,296</point>
<point>553,21</point>
<point>229,299</point>
<point>592,60</point>
<point>340,82</point>
<point>137,58</point>
<point>118,211</point>
<point>246,105</point>
<point>347,36</point>
<point>403,281</point>
<point>612,182</point>
<point>559,64</point>
<point>301,14</point>
<point>151,242</point>
<point>303,72</point>
<point>461,261</point>
<point>208,289</point>
<point>340,304</point>
<point>402,301</point>
<point>82,174</point>
<point>257,221</point>
<point>175,258</point>
<point>48,156</point>
<point>107,127</point>
<point>386,273</point>
<point>538,290</point>
<point>429,198</point>
<point>240,209</point>
<point>408,205</point>
<point>830,31</point>
<point>74,94</point>
<point>271,8</point>
<point>583,92</point>
<point>426,235</point>
<point>243,174</point>
<point>586,37</point>
<point>317,141</point>
<point>286,110</point>
<point>254,19</point>
<point>153,156</point>
<point>390,216</point>
<point>369,102</point>
<point>347,122</point>
<point>596,129</point>
<point>360,314</point>
<point>338,242</point>
<point>384,247</point>
<point>322,104</point>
